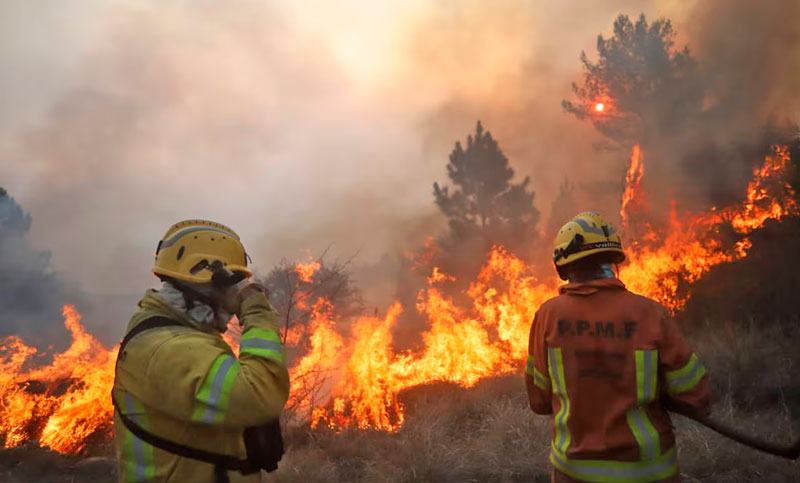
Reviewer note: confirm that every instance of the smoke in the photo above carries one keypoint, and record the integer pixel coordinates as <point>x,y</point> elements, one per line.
<point>706,116</point>
<point>748,61</point>
<point>308,125</point>
<point>201,111</point>
<point>750,56</point>
<point>29,290</point>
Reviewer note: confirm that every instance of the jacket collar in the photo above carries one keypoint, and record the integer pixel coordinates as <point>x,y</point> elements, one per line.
<point>153,303</point>
<point>592,286</point>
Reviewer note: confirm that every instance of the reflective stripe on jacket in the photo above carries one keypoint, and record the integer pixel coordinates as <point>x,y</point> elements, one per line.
<point>185,385</point>
<point>601,357</point>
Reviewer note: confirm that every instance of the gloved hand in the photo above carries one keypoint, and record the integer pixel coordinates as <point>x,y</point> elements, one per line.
<point>247,289</point>
<point>226,299</point>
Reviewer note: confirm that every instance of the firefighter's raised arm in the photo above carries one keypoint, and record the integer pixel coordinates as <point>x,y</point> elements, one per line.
<point>209,385</point>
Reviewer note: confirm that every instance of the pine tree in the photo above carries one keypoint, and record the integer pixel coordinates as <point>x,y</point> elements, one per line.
<point>647,86</point>
<point>484,202</point>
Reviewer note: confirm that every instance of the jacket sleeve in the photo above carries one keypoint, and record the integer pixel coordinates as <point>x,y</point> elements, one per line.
<point>536,380</point>
<point>681,372</point>
<point>196,377</point>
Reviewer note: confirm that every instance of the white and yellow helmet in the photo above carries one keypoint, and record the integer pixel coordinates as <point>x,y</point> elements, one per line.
<point>586,234</point>
<point>190,248</point>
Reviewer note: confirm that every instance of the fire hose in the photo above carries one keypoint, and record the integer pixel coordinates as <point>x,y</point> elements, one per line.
<point>790,451</point>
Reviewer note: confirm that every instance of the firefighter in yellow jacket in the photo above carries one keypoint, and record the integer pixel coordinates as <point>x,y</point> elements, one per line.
<point>186,407</point>
<point>604,361</point>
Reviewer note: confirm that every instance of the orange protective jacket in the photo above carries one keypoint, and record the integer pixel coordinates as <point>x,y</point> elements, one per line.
<point>601,358</point>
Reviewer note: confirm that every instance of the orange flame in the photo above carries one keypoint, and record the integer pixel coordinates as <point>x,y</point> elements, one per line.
<point>769,195</point>
<point>306,271</point>
<point>233,335</point>
<point>61,404</point>
<point>465,344</point>
<point>690,247</point>
<point>633,196</point>
<point>460,346</point>
<point>311,375</point>
<point>357,380</point>
<point>423,258</point>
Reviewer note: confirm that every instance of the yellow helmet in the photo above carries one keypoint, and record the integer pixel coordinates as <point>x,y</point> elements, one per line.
<point>586,234</point>
<point>190,248</point>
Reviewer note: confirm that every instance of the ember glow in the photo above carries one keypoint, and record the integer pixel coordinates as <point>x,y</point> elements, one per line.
<point>599,107</point>
<point>355,377</point>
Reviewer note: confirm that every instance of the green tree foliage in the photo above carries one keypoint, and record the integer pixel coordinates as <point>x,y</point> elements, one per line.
<point>484,203</point>
<point>647,86</point>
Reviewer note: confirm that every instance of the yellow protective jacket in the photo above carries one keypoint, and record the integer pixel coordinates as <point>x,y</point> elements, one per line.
<point>185,385</point>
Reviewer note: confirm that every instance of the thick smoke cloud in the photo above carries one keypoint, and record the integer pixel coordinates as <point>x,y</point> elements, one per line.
<point>748,71</point>
<point>307,124</point>
<point>750,55</point>
<point>206,111</point>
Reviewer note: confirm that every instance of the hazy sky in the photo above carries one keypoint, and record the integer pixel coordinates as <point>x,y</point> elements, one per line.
<point>300,124</point>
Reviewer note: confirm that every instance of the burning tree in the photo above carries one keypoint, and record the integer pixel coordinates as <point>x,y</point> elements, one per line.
<point>296,287</point>
<point>309,297</point>
<point>484,207</point>
<point>643,90</point>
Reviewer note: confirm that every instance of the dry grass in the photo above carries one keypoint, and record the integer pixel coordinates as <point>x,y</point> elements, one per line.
<point>489,434</point>
<point>452,434</point>
<point>756,379</point>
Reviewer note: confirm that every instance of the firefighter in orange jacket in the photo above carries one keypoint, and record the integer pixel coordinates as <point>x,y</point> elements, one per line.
<point>601,359</point>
